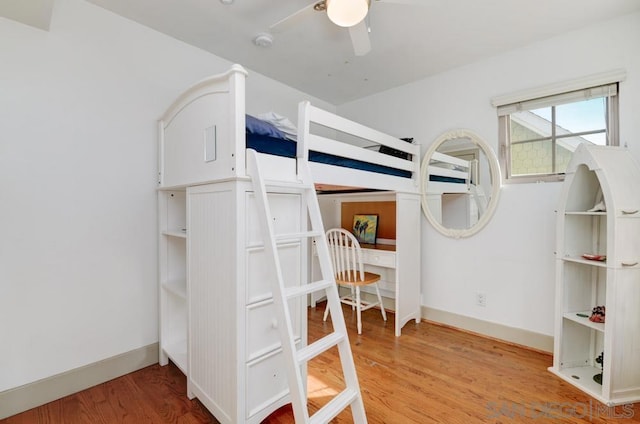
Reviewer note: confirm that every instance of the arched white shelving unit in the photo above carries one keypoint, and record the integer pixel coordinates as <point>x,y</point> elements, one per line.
<point>612,176</point>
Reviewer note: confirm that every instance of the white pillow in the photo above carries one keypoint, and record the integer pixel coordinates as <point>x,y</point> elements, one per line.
<point>281,123</point>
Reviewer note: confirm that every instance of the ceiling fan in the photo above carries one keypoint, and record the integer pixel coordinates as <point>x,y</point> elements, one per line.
<point>349,14</point>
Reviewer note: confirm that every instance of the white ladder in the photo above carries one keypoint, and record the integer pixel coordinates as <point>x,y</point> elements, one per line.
<point>298,358</point>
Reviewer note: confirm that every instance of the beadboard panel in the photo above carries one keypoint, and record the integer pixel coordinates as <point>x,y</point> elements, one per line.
<point>213,318</point>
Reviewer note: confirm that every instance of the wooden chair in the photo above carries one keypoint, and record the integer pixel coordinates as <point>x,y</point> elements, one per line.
<point>346,257</point>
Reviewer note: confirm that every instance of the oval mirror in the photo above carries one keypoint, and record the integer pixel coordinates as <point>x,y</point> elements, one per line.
<point>460,183</point>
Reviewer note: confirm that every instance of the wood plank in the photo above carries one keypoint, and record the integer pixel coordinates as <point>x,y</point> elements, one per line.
<point>432,374</point>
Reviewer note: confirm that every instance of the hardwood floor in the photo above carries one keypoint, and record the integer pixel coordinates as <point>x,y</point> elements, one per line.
<point>431,374</point>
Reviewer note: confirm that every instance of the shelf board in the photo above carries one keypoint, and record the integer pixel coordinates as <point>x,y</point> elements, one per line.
<point>177,352</point>
<point>176,287</point>
<point>582,378</point>
<point>581,260</point>
<point>176,232</point>
<point>585,213</point>
<point>571,316</point>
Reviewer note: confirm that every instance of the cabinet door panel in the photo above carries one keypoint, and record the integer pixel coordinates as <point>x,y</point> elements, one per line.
<point>285,210</point>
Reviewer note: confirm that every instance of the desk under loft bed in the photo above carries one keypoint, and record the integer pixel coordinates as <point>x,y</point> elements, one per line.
<point>216,312</point>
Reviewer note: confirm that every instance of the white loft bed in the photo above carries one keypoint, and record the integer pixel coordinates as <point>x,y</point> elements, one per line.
<point>232,359</point>
<point>202,139</point>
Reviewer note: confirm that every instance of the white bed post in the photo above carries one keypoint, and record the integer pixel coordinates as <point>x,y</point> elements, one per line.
<point>302,151</point>
<point>160,153</point>
<point>237,77</point>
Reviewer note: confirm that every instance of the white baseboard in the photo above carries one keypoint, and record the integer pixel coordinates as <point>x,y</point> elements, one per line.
<point>519,336</point>
<point>23,398</point>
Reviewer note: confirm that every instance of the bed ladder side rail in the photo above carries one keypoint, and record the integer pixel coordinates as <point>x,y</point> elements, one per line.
<point>295,358</point>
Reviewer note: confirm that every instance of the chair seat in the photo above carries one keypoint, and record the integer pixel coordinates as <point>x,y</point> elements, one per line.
<point>369,278</point>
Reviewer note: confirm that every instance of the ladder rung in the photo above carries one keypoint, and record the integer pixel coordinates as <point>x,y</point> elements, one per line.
<point>304,234</point>
<point>334,407</point>
<point>288,184</point>
<point>319,346</point>
<point>308,288</point>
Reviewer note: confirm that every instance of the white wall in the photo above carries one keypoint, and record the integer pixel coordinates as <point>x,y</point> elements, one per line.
<point>78,111</point>
<point>512,259</point>
<point>78,108</point>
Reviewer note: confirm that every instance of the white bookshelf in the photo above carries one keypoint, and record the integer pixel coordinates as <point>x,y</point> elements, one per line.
<point>595,174</point>
<point>172,277</point>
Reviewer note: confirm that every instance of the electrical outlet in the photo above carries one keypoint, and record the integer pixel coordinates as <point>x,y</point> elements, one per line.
<point>481,299</point>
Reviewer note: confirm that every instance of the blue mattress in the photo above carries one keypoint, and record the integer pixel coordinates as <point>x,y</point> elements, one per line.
<point>287,148</point>
<point>441,179</point>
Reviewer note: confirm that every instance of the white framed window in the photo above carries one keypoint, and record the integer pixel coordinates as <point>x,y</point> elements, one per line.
<point>538,135</point>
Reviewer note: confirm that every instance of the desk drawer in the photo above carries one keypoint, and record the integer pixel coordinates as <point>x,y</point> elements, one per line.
<point>260,276</point>
<point>266,382</point>
<point>262,334</point>
<point>379,258</point>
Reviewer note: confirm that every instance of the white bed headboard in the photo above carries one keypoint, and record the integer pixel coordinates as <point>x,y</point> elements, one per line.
<point>195,132</point>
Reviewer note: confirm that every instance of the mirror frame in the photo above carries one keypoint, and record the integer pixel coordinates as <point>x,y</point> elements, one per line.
<point>496,183</point>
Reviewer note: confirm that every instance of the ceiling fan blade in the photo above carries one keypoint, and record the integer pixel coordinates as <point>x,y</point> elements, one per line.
<point>360,38</point>
<point>292,20</point>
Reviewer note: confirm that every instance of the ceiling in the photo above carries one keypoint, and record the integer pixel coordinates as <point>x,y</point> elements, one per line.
<point>36,13</point>
<point>409,41</point>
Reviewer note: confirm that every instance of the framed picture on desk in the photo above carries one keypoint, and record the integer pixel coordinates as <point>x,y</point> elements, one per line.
<point>365,228</point>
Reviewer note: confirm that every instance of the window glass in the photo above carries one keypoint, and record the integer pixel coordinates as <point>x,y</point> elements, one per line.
<point>585,116</point>
<point>538,137</point>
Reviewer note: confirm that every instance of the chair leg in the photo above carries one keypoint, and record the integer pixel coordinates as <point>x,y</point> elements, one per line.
<point>358,310</point>
<point>353,297</point>
<point>326,311</point>
<point>384,314</point>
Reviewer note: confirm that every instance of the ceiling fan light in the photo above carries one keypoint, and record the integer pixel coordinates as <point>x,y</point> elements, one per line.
<point>347,13</point>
